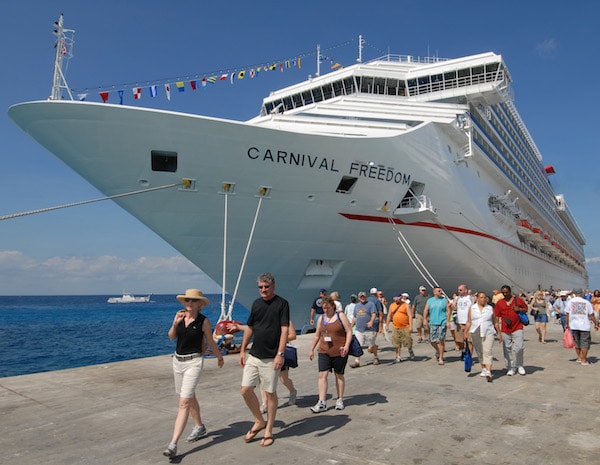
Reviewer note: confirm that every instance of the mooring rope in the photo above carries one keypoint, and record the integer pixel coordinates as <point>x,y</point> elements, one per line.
<point>76,204</point>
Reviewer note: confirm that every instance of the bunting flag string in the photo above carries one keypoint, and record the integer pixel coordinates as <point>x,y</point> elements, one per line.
<point>202,79</point>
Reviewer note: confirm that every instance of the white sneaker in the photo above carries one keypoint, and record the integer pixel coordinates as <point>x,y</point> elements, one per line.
<point>319,407</point>
<point>522,371</point>
<point>397,360</point>
<point>339,404</point>
<point>483,373</point>
<point>197,433</point>
<point>171,451</point>
<point>293,395</point>
<point>510,372</point>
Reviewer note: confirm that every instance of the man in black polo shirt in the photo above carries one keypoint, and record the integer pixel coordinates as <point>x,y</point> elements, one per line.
<point>268,325</point>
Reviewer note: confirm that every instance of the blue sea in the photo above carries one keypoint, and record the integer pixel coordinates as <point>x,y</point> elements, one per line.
<point>45,333</point>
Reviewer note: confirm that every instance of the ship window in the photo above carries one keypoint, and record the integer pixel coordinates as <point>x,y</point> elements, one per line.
<point>491,68</point>
<point>164,161</point>
<point>317,94</point>
<point>478,75</point>
<point>287,103</point>
<point>327,91</point>
<point>338,88</point>
<point>379,84</point>
<point>402,88</point>
<point>307,97</point>
<point>346,184</point>
<point>297,98</point>
<point>349,88</point>
<point>366,85</point>
<point>392,87</point>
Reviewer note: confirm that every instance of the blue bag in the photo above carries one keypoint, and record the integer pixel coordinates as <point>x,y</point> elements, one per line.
<point>524,317</point>
<point>468,358</point>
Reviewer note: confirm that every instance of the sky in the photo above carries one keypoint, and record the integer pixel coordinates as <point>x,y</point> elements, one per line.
<point>551,52</point>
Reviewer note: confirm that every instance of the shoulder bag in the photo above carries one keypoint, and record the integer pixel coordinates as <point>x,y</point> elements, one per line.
<point>355,348</point>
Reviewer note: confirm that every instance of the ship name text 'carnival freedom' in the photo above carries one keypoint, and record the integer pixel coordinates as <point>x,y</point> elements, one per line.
<point>315,161</point>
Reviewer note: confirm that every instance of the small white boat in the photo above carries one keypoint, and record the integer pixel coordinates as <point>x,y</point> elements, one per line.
<point>128,299</point>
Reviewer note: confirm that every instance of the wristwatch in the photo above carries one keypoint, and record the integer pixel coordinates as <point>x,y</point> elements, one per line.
<point>281,353</point>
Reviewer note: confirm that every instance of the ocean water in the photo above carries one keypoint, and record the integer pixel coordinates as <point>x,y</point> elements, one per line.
<point>45,333</point>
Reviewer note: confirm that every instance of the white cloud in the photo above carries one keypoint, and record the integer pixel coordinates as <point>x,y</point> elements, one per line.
<point>23,275</point>
<point>546,47</point>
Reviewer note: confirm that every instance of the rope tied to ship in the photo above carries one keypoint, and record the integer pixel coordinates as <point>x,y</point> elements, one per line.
<point>85,202</point>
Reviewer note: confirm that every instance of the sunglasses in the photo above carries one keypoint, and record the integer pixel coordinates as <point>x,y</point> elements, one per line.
<point>191,300</point>
<point>266,286</point>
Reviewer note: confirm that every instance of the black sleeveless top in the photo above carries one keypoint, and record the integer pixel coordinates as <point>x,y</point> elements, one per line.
<point>190,339</point>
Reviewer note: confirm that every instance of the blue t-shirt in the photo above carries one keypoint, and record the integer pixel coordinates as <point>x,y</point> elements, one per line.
<point>378,306</point>
<point>437,310</point>
<point>362,315</point>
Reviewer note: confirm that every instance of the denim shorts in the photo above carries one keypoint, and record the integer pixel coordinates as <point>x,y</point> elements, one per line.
<point>541,318</point>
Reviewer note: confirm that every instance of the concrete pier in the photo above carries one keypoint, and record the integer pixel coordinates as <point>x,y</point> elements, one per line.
<point>414,412</point>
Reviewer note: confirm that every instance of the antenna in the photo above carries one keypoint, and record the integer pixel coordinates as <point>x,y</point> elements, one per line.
<point>64,51</point>
<point>360,48</point>
<point>318,73</point>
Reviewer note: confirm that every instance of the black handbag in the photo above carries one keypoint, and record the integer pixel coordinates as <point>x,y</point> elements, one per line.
<point>290,357</point>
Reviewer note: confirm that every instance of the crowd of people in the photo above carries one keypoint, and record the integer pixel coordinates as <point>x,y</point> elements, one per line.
<point>473,320</point>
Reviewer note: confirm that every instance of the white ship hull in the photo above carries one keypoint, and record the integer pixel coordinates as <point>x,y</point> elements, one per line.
<point>308,234</point>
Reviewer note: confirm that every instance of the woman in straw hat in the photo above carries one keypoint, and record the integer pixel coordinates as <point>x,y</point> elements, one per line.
<point>192,331</point>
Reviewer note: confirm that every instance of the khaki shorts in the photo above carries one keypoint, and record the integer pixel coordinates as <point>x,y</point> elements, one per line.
<point>401,338</point>
<point>459,335</point>
<point>261,371</point>
<point>418,321</point>
<point>367,338</point>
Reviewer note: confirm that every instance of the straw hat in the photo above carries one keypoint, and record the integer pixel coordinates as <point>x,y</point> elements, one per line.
<point>193,294</point>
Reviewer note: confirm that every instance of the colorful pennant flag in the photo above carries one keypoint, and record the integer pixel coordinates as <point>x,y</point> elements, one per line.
<point>223,77</point>
<point>82,97</point>
<point>212,79</point>
<point>193,84</point>
<point>120,97</point>
<point>241,74</point>
<point>203,82</point>
<point>180,86</point>
<point>252,73</point>
<point>168,91</point>
<point>152,90</point>
<point>104,96</point>
<point>137,93</point>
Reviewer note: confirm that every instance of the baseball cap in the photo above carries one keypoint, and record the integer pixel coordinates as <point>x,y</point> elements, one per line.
<point>404,294</point>
<point>578,291</point>
<point>422,288</point>
<point>362,294</point>
<point>373,290</point>
<point>323,290</point>
<point>397,294</point>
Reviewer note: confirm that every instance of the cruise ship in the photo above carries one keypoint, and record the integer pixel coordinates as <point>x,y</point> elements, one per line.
<point>392,173</point>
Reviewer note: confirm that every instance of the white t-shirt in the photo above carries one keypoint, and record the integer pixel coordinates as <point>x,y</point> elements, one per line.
<point>579,311</point>
<point>463,305</point>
